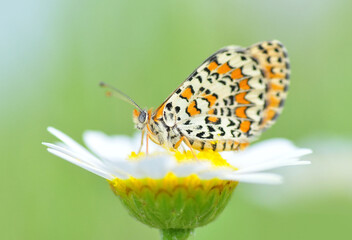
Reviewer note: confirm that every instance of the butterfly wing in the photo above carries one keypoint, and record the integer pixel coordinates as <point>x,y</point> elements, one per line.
<point>232,97</point>
<point>273,59</point>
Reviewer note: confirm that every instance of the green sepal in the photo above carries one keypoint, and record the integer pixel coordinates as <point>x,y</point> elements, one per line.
<point>177,204</point>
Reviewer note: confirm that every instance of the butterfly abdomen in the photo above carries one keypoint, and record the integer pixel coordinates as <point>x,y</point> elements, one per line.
<point>218,145</point>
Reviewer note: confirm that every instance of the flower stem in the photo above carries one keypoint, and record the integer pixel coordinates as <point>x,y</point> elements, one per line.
<point>175,234</point>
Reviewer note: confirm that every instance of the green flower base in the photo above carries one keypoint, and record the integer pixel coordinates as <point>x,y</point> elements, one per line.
<point>174,205</point>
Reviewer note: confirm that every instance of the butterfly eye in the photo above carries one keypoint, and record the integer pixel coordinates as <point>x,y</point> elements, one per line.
<point>142,117</point>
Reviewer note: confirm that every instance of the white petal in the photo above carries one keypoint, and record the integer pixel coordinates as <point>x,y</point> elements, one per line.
<point>188,168</point>
<point>263,152</point>
<point>73,145</point>
<point>64,149</point>
<point>156,167</point>
<point>216,172</point>
<point>125,167</point>
<point>272,165</point>
<point>84,165</point>
<point>114,148</point>
<point>262,178</point>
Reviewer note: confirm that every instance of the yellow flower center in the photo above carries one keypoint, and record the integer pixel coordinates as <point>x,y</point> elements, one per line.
<point>169,183</point>
<point>136,156</point>
<point>206,155</point>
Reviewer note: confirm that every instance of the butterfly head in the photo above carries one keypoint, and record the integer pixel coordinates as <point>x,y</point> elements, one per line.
<point>140,118</point>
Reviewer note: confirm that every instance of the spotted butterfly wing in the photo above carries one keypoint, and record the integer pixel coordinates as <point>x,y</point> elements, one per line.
<point>231,98</point>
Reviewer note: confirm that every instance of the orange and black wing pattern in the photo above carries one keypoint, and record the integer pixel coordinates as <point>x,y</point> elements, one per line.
<point>231,98</point>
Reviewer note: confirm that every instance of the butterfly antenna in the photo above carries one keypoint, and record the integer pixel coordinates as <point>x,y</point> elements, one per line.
<point>119,94</point>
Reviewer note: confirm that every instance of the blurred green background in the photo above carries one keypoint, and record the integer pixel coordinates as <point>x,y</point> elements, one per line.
<point>54,53</point>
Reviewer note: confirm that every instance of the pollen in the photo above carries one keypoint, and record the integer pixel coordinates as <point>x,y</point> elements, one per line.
<point>206,155</point>
<point>171,185</point>
<point>136,156</point>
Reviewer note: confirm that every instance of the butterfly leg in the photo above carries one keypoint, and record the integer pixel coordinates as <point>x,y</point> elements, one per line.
<point>147,144</point>
<point>183,148</point>
<point>142,140</point>
<point>190,147</point>
<point>186,141</point>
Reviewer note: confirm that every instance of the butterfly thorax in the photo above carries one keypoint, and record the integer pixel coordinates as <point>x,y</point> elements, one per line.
<point>161,133</point>
<point>157,130</point>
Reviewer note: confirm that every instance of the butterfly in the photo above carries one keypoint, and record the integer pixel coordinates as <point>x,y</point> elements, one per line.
<point>226,103</point>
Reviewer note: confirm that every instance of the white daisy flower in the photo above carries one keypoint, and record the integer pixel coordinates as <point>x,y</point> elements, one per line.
<point>170,190</point>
